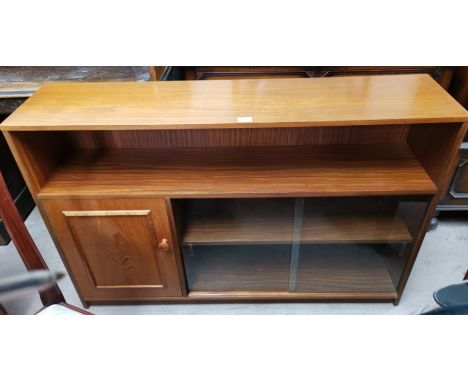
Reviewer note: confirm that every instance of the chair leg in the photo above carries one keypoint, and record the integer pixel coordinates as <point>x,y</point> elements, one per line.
<point>24,243</point>
<point>2,310</point>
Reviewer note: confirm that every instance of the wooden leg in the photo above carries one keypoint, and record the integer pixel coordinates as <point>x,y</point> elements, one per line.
<point>24,243</point>
<point>466,276</point>
<point>2,310</point>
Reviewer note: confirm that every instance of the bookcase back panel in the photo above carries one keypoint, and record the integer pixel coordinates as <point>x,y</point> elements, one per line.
<point>240,137</point>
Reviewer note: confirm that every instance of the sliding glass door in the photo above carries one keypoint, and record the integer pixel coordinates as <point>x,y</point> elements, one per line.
<point>297,245</point>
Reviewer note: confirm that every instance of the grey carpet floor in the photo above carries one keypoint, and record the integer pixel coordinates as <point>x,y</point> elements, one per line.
<point>443,260</point>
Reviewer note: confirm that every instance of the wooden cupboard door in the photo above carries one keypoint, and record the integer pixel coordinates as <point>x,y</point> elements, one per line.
<point>116,248</point>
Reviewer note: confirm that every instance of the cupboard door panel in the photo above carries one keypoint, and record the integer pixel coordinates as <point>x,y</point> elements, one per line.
<point>113,246</point>
<point>118,247</point>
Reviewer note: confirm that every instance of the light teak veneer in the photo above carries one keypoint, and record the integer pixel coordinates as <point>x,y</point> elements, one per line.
<point>109,165</point>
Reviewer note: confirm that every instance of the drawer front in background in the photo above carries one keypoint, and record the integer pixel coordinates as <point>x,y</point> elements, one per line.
<point>457,196</point>
<point>459,188</point>
<point>116,248</point>
<point>246,72</point>
<point>443,75</point>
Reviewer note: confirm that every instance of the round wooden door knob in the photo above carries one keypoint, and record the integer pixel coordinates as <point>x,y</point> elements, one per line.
<point>164,245</point>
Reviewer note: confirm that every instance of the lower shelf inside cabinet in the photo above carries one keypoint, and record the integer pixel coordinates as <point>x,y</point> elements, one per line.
<point>343,269</point>
<point>218,268</point>
<point>321,269</point>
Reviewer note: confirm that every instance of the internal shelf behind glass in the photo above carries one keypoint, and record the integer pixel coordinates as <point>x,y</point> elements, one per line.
<point>350,244</point>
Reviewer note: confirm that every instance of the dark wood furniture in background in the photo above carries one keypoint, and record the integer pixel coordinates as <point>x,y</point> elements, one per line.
<point>18,83</point>
<point>15,183</point>
<point>441,74</point>
<point>28,250</point>
<point>456,197</point>
<point>24,243</point>
<point>267,190</point>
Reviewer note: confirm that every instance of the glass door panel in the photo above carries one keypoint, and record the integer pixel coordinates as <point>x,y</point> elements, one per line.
<point>218,268</point>
<point>297,245</point>
<point>236,244</point>
<point>355,245</point>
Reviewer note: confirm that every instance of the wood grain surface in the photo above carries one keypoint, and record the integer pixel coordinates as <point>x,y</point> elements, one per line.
<point>115,254</point>
<point>119,249</point>
<point>300,136</point>
<point>237,103</point>
<point>322,170</point>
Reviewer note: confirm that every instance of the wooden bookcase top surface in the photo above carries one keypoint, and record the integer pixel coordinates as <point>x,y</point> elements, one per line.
<point>338,101</point>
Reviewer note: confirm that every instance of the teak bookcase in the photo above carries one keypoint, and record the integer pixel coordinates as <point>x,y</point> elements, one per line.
<point>273,190</point>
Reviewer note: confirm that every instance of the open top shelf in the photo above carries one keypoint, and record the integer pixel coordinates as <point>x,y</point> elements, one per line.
<point>319,170</point>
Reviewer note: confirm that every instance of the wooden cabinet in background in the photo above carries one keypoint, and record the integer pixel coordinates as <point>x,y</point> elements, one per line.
<point>16,186</point>
<point>456,197</point>
<point>441,74</point>
<point>117,248</point>
<point>242,72</point>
